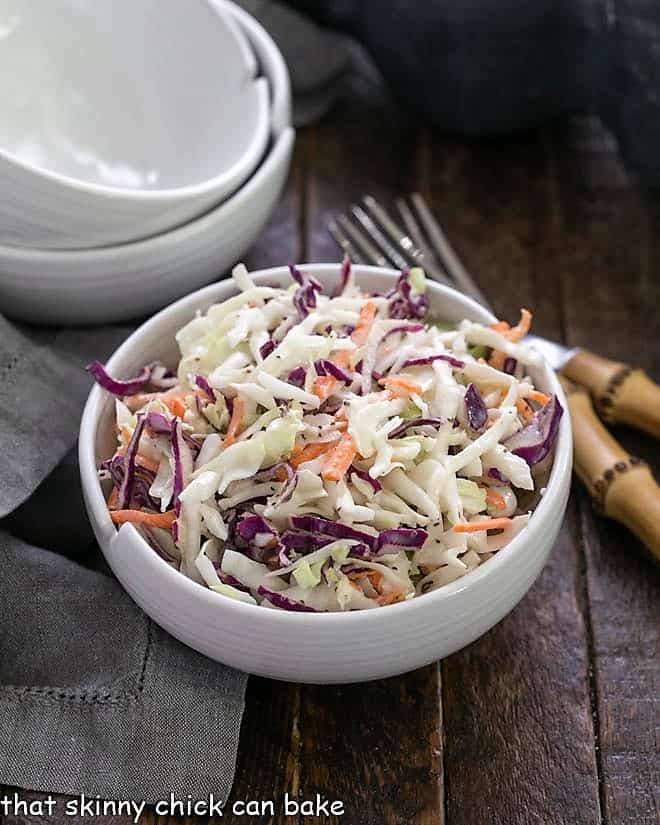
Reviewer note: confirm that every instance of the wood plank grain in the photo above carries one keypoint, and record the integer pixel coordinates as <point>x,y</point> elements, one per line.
<point>519,740</point>
<point>377,747</point>
<point>613,306</point>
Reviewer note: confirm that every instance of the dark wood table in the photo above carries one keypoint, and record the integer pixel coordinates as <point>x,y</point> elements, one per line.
<point>551,717</point>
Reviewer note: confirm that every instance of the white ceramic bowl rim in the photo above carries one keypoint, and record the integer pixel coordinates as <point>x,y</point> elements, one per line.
<point>232,23</point>
<point>259,136</point>
<point>560,467</point>
<point>276,149</point>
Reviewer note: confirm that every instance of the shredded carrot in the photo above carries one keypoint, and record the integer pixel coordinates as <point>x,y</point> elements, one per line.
<point>164,520</point>
<point>522,327</point>
<point>175,405</point>
<point>495,500</point>
<point>339,460</point>
<point>497,359</point>
<point>399,385</point>
<point>310,452</point>
<point>140,460</point>
<point>342,358</point>
<point>519,331</point>
<point>392,597</point>
<point>525,410</point>
<point>540,397</point>
<point>281,474</point>
<point>341,425</point>
<point>147,463</point>
<point>112,499</point>
<point>375,577</point>
<point>135,402</point>
<point>235,422</point>
<point>487,524</point>
<point>324,386</point>
<point>364,323</point>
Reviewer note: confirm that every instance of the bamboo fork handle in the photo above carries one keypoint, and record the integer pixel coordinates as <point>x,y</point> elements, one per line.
<point>621,394</point>
<point>620,484</point>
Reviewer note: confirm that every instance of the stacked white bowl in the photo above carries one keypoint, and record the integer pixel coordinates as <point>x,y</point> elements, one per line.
<point>143,147</point>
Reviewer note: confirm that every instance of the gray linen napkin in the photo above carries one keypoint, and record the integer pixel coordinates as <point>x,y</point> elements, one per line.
<point>317,58</point>
<point>94,698</point>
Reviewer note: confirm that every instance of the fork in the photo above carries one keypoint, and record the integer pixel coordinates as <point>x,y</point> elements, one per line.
<point>621,485</point>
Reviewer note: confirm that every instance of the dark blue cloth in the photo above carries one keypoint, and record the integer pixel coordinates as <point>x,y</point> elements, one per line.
<point>491,67</point>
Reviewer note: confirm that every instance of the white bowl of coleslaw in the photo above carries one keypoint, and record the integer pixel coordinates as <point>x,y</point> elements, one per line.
<point>279,634</point>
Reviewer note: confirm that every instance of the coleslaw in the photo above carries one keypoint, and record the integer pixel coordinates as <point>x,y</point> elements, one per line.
<point>328,452</point>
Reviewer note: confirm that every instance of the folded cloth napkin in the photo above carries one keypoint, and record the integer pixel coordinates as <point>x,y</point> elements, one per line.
<point>94,698</point>
<point>317,58</point>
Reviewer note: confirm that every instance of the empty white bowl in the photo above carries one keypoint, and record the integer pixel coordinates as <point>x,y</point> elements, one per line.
<point>333,647</point>
<point>122,119</point>
<point>123,282</point>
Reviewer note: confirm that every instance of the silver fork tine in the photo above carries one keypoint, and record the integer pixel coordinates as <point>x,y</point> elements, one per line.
<point>444,251</point>
<point>412,226</point>
<point>378,237</point>
<point>341,239</point>
<point>363,244</point>
<point>404,242</point>
<point>430,262</point>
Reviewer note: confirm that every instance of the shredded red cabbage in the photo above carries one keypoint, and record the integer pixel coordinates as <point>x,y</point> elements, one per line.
<point>143,478</point>
<point>397,432</point>
<point>324,366</point>
<point>206,388</point>
<point>158,424</point>
<point>391,541</point>
<point>405,328</point>
<point>304,542</point>
<point>227,578</point>
<point>534,442</point>
<point>271,473</point>
<point>475,409</point>
<point>266,348</point>
<point>297,377</point>
<point>344,275</point>
<point>361,551</point>
<point>509,366</point>
<point>403,302</point>
<point>177,447</point>
<point>284,603</point>
<point>495,473</point>
<point>421,362</point>
<point>125,492</point>
<point>260,537</point>
<point>304,297</point>
<point>316,524</point>
<point>363,475</point>
<point>129,386</point>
